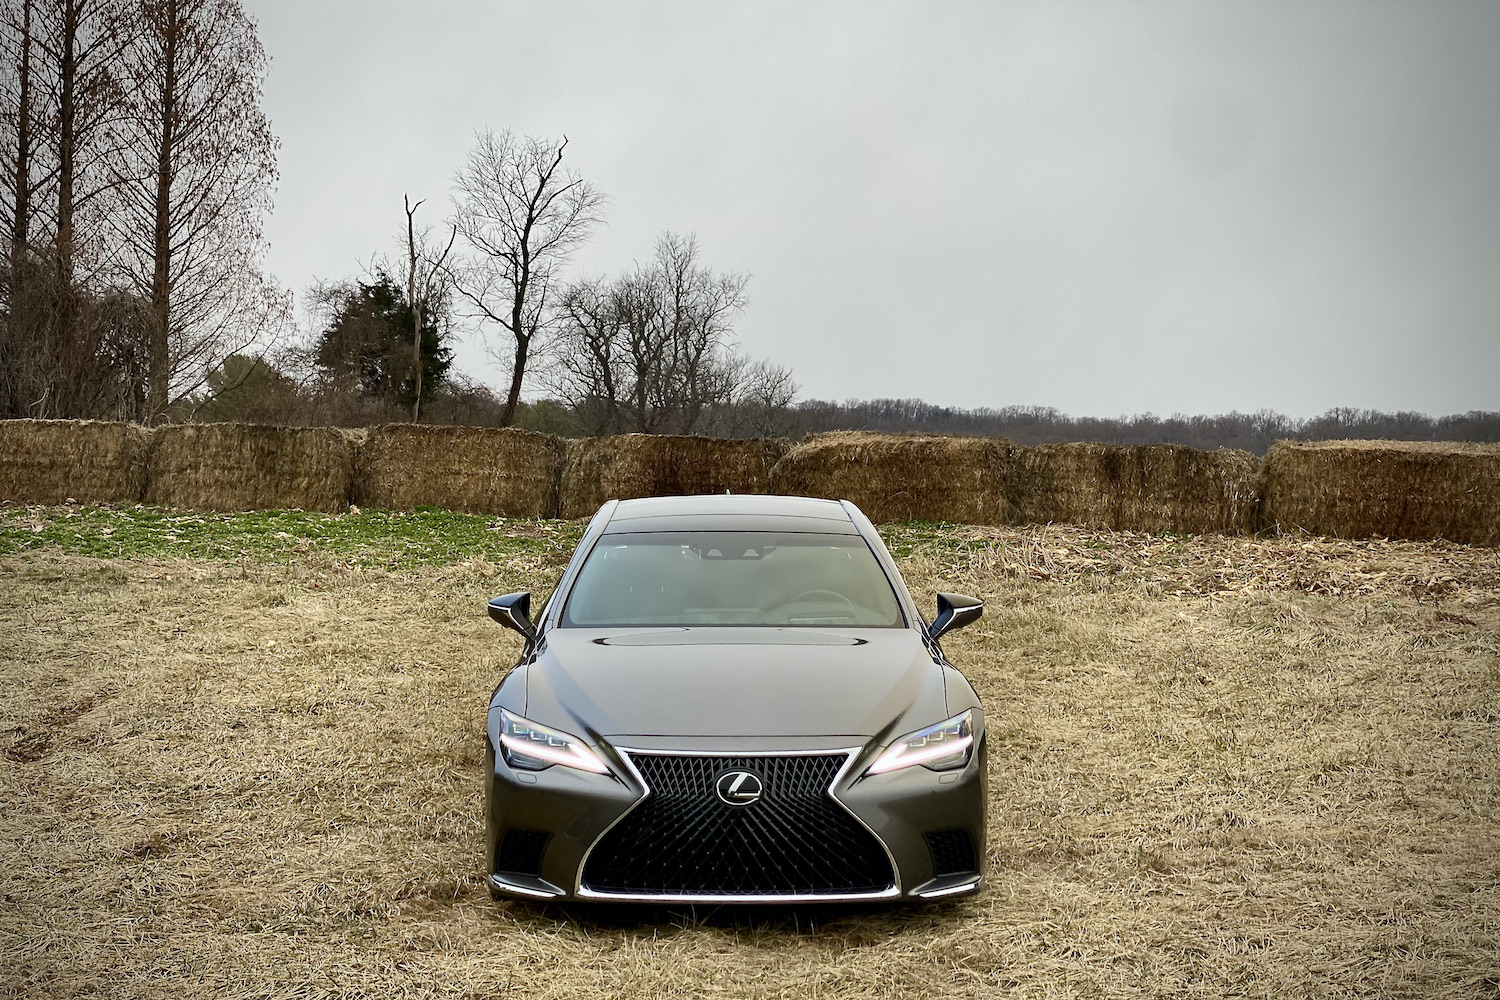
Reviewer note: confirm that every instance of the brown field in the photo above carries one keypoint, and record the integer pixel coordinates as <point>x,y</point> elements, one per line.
<point>1220,766</point>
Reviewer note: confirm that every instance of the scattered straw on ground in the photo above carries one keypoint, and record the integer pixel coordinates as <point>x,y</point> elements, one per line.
<point>1205,565</point>
<point>1215,770</point>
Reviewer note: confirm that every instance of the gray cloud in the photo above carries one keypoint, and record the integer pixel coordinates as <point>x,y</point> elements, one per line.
<point>1106,208</point>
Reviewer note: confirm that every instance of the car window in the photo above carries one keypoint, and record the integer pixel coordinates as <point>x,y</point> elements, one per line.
<point>732,578</point>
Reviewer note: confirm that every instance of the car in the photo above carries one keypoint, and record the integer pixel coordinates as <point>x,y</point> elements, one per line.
<point>733,699</point>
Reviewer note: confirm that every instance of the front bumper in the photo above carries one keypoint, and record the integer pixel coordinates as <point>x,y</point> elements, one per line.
<point>558,815</point>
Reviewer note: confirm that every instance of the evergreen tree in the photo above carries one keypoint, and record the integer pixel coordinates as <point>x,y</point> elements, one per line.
<point>367,343</point>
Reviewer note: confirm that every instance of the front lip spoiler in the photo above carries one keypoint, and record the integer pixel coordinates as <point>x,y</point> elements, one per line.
<point>891,891</point>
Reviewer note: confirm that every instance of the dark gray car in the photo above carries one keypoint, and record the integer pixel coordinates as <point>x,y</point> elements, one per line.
<point>734,699</point>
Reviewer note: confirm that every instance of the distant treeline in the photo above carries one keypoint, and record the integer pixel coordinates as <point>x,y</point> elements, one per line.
<point>1030,425</point>
<point>253,390</point>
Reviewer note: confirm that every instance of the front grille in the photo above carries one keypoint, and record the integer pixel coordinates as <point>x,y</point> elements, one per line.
<point>952,852</point>
<point>683,840</point>
<point>520,852</point>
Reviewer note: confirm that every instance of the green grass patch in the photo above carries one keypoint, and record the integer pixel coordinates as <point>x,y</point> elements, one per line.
<point>397,539</point>
<point>905,537</point>
<point>426,536</point>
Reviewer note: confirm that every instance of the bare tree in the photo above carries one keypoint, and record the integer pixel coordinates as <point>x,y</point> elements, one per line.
<point>82,41</point>
<point>522,215</point>
<point>65,351</point>
<point>586,361</point>
<point>653,351</point>
<point>426,282</point>
<point>696,308</point>
<point>19,116</point>
<point>198,162</point>
<point>761,404</point>
<point>64,334</point>
<point>22,364</point>
<point>61,90</point>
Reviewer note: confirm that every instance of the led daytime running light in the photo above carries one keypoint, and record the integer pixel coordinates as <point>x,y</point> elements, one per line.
<point>950,739</point>
<point>527,739</point>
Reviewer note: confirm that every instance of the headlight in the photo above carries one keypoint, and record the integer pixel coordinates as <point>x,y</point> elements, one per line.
<point>531,747</point>
<point>943,747</point>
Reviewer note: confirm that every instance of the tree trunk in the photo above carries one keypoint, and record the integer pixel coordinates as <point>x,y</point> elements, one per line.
<point>67,114</point>
<point>159,362</point>
<point>523,344</point>
<point>518,327</point>
<point>21,221</point>
<point>416,309</point>
<point>416,360</point>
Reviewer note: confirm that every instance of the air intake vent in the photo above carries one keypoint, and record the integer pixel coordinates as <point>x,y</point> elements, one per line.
<point>684,839</point>
<point>520,852</point>
<point>952,853</point>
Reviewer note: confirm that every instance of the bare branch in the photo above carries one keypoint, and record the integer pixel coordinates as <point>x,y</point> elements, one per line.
<point>522,214</point>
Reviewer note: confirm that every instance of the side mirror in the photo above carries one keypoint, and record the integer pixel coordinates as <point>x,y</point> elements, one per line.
<point>514,612</point>
<point>954,611</point>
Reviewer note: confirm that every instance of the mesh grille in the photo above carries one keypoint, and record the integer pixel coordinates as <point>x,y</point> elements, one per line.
<point>683,840</point>
<point>952,852</point>
<point>520,852</point>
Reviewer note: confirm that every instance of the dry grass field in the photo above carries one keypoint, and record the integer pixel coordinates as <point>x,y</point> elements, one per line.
<point>1220,767</point>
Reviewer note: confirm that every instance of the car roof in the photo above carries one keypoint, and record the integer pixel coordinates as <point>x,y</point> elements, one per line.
<point>731,512</point>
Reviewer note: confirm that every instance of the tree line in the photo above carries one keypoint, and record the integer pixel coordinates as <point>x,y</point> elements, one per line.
<point>651,350</point>
<point>136,167</point>
<point>1033,425</point>
<point>136,170</point>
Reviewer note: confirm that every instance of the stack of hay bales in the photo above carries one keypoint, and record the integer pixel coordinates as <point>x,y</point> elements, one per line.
<point>1415,490</point>
<point>1349,489</point>
<point>249,467</point>
<point>480,470</point>
<point>904,477</point>
<point>53,461</point>
<point>1143,488</point>
<point>657,465</point>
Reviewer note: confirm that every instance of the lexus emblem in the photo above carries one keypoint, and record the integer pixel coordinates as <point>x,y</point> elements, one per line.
<point>738,788</point>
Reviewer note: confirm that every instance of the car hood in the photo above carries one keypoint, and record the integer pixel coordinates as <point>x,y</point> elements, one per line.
<point>750,682</point>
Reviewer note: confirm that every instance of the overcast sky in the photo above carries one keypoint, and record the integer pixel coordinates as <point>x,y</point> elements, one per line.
<point>1104,207</point>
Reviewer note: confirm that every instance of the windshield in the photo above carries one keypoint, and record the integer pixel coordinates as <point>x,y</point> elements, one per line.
<point>731,578</point>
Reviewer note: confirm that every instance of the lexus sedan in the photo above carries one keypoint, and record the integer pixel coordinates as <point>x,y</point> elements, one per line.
<point>733,699</point>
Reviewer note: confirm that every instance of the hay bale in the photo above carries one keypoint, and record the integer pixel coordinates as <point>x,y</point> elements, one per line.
<point>1415,490</point>
<point>904,477</point>
<point>91,461</point>
<point>1142,488</point>
<point>657,465</point>
<point>249,467</point>
<point>475,469</point>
